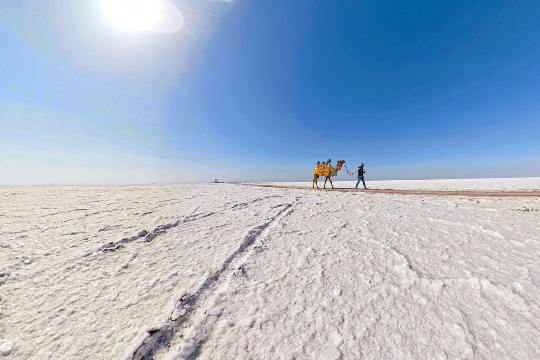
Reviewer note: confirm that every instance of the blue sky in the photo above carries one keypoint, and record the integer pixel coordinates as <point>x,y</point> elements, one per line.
<point>260,90</point>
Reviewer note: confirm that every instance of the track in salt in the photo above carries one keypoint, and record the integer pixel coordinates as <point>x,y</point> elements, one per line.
<point>158,338</point>
<point>151,235</point>
<point>468,193</point>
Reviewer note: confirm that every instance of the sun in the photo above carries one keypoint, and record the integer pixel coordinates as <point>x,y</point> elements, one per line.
<point>143,15</point>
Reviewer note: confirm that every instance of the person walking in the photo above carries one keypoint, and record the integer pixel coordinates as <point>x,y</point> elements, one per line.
<point>361,173</point>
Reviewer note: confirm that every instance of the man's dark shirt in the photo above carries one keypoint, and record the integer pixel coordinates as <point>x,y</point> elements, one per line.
<point>361,171</point>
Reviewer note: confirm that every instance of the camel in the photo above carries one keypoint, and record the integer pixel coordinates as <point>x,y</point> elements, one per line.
<point>327,171</point>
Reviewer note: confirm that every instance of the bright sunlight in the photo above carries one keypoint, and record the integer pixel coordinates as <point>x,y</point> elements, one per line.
<point>143,15</point>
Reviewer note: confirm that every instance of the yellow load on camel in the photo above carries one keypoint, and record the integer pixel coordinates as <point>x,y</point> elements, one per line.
<point>322,170</point>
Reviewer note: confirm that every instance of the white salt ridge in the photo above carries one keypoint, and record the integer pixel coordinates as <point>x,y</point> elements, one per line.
<point>5,347</point>
<point>296,273</point>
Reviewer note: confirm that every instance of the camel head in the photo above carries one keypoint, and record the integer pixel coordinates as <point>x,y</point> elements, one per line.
<point>340,163</point>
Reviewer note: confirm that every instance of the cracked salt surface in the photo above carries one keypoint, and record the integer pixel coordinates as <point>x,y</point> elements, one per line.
<point>249,272</point>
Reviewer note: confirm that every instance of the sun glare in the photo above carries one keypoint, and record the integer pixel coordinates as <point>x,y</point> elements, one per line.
<point>143,15</point>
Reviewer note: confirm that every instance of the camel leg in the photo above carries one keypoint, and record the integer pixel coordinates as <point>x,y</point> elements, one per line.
<point>325,180</point>
<point>331,182</point>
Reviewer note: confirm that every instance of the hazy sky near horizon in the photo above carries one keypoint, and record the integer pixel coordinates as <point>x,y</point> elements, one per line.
<point>260,90</point>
